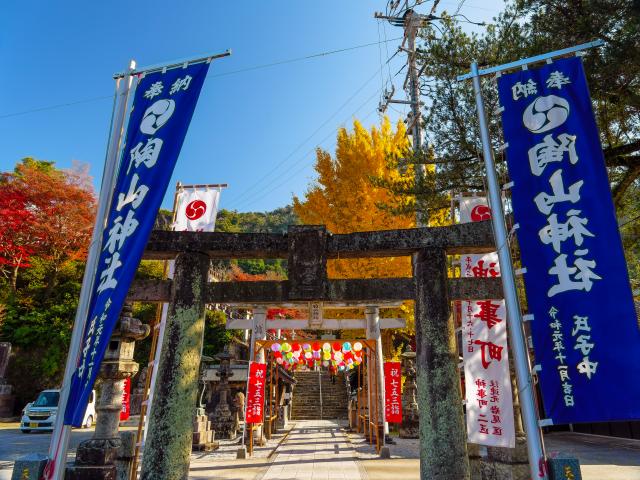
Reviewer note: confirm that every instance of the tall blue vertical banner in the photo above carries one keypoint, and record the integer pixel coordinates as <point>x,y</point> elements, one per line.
<point>162,109</point>
<point>585,329</point>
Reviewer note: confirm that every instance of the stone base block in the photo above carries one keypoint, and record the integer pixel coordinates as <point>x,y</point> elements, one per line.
<point>510,455</point>
<point>203,437</point>
<point>128,446</point>
<point>105,472</point>
<point>125,455</point>
<point>564,468</point>
<point>206,447</point>
<point>385,452</point>
<point>492,470</point>
<point>7,402</point>
<point>98,452</point>
<point>29,467</point>
<point>241,454</point>
<point>283,417</point>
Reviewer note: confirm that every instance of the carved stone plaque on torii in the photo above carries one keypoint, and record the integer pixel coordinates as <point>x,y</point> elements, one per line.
<point>307,249</point>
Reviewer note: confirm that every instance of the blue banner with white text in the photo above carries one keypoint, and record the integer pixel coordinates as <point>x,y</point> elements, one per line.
<point>585,330</point>
<point>162,109</point>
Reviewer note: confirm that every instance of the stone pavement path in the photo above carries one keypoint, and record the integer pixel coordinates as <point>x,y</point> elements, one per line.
<point>315,450</point>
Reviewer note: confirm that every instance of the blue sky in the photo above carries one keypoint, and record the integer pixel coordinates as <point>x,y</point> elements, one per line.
<point>255,130</point>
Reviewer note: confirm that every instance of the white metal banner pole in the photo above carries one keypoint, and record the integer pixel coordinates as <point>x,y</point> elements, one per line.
<point>60,436</point>
<point>514,316</point>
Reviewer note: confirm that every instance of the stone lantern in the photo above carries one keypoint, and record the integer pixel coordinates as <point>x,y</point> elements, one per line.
<point>97,458</point>
<point>410,414</point>
<point>224,422</point>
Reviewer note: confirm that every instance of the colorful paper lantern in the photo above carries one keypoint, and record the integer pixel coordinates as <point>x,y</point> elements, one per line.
<point>326,347</point>
<point>275,347</point>
<point>346,346</point>
<point>337,346</point>
<point>357,347</point>
<point>316,346</point>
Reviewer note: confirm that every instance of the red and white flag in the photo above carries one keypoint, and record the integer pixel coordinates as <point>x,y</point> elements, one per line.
<point>196,210</point>
<point>489,406</point>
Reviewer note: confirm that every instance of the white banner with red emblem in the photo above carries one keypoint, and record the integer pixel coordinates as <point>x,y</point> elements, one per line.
<point>474,209</point>
<point>489,401</point>
<point>196,209</point>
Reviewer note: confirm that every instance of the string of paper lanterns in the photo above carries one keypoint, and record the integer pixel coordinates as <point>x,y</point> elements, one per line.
<point>338,355</point>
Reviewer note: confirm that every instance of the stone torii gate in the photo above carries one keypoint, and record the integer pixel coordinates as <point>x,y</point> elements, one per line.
<point>443,448</point>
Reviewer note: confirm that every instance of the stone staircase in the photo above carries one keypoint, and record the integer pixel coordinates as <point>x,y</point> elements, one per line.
<point>306,397</point>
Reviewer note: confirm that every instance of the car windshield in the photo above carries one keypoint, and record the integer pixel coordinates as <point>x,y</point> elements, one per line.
<point>47,399</point>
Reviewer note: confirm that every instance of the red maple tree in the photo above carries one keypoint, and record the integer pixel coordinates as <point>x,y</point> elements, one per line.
<point>18,232</point>
<point>236,274</point>
<point>49,213</point>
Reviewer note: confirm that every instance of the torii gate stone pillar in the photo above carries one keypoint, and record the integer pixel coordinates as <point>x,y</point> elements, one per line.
<point>169,440</point>
<point>443,447</point>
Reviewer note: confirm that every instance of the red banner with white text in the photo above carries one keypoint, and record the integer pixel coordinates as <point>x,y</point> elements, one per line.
<point>255,392</point>
<point>126,400</point>
<point>393,392</point>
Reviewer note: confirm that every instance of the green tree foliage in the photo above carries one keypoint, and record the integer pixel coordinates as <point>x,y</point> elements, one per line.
<point>38,302</point>
<point>216,336</point>
<point>275,221</point>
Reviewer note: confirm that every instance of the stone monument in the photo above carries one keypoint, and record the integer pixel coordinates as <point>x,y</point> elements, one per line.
<point>410,414</point>
<point>225,423</point>
<point>107,455</point>
<point>7,399</point>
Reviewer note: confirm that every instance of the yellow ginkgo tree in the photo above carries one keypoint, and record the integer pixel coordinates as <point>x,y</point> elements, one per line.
<point>344,198</point>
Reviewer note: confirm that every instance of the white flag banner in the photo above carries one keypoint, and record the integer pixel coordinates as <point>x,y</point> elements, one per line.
<point>196,210</point>
<point>486,373</point>
<point>480,265</point>
<point>485,353</point>
<point>474,209</point>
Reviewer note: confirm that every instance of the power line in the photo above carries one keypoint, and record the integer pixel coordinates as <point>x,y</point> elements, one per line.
<point>261,194</point>
<point>249,191</point>
<point>233,72</point>
<point>59,105</point>
<point>299,59</point>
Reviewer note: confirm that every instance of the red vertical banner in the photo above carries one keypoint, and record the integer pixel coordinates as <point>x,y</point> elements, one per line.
<point>393,392</point>
<point>126,400</point>
<point>255,392</point>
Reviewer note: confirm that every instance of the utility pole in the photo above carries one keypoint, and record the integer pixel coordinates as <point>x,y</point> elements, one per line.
<point>411,22</point>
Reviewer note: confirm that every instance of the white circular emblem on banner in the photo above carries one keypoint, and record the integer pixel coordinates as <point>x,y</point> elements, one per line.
<point>156,116</point>
<point>545,113</point>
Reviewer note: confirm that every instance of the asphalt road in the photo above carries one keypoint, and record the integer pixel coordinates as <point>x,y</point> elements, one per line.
<point>14,444</point>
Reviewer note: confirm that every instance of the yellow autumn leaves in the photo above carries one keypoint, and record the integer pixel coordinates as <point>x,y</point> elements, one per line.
<point>344,199</point>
